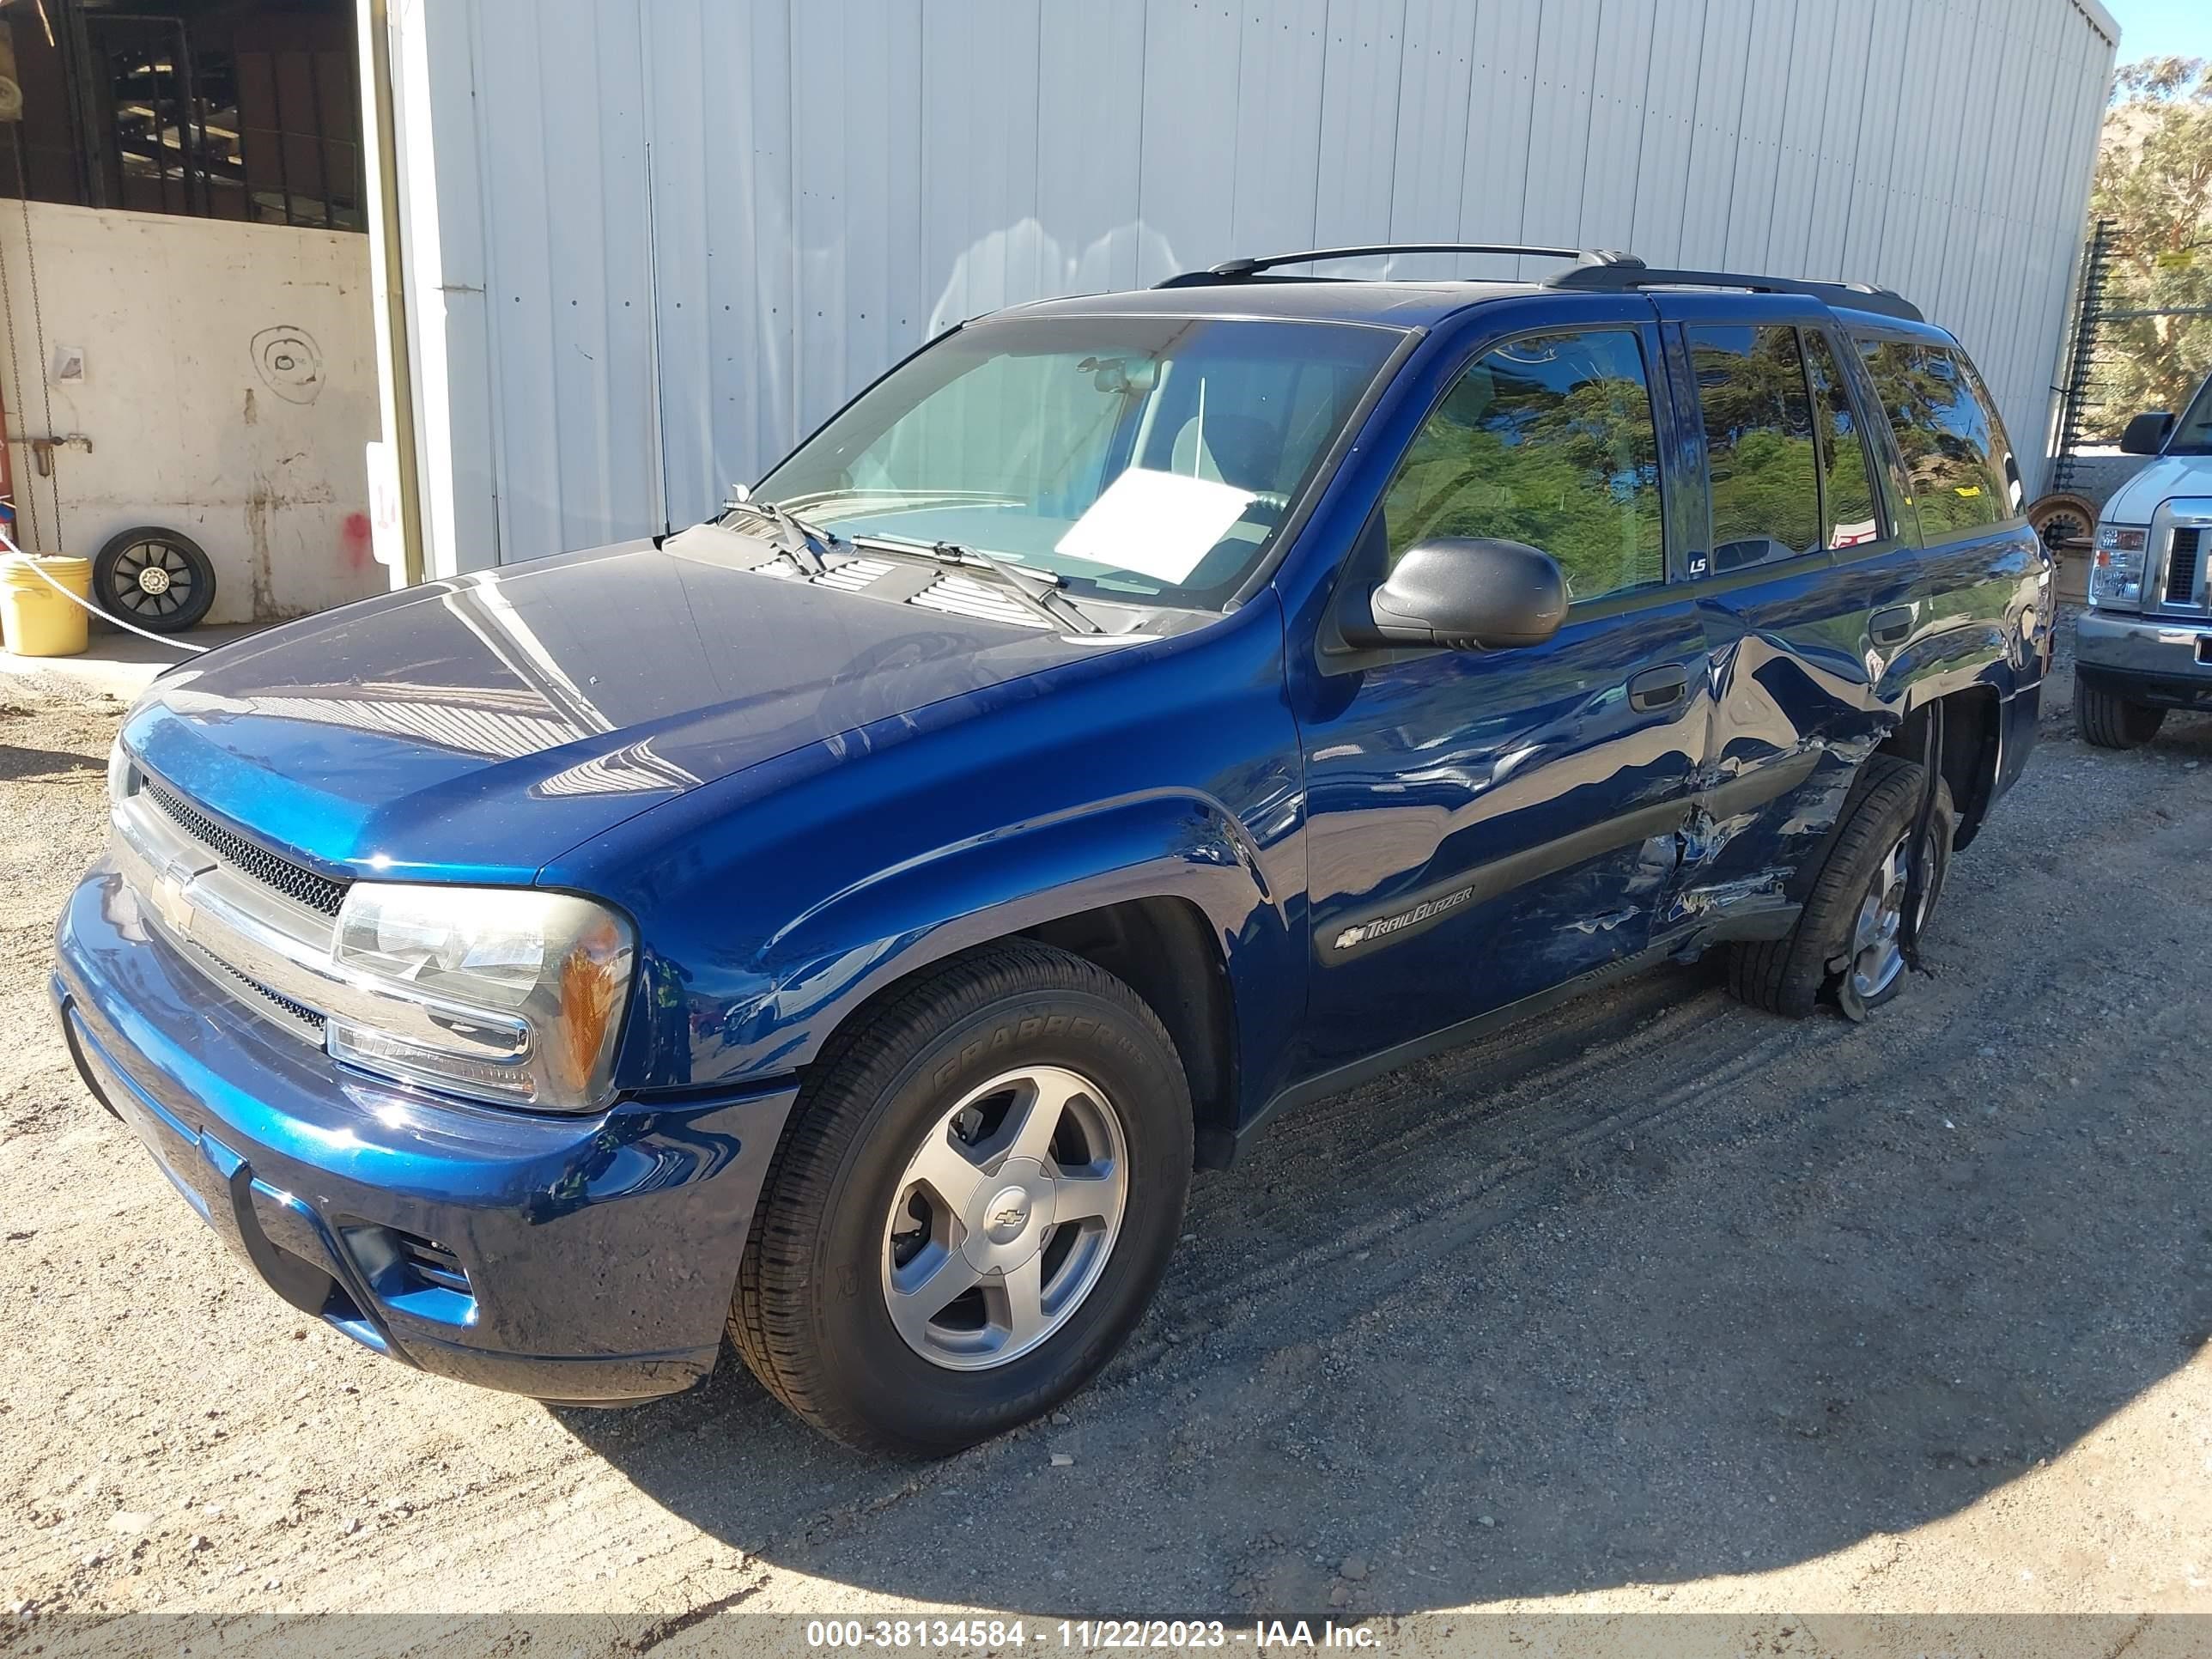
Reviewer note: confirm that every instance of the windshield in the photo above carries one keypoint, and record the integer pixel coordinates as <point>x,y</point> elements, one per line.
<point>2193,436</point>
<point>1146,459</point>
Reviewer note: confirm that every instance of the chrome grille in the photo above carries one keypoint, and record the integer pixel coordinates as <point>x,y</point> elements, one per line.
<point>298,1013</point>
<point>305,886</point>
<point>271,952</point>
<point>2184,562</point>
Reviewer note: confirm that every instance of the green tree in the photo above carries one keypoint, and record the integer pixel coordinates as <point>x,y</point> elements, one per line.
<point>2155,178</point>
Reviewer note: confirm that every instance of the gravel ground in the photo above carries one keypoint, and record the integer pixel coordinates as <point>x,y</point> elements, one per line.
<point>1654,1303</point>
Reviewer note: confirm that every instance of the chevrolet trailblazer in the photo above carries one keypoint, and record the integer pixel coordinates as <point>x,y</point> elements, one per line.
<point>846,923</point>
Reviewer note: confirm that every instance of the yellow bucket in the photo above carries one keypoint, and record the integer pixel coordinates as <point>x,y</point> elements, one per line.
<point>35,621</point>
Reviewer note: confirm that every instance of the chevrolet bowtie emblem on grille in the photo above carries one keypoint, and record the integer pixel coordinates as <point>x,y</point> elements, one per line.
<point>170,901</point>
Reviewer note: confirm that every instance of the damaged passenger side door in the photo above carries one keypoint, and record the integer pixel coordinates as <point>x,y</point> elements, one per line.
<point>1798,560</point>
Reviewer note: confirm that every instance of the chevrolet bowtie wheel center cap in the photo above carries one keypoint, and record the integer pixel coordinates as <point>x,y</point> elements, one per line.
<point>1008,1214</point>
<point>1005,1217</point>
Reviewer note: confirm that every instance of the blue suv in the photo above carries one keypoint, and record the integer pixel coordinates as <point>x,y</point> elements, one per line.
<point>847,923</point>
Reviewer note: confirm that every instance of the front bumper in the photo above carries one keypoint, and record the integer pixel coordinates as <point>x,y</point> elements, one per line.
<point>589,1258</point>
<point>2163,660</point>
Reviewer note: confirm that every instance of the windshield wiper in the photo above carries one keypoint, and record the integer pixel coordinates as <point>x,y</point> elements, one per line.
<point>799,540</point>
<point>1045,598</point>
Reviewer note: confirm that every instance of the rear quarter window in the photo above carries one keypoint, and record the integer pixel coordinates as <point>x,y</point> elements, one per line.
<point>1957,463</point>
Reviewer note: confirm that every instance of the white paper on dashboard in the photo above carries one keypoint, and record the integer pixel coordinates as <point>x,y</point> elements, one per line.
<point>1158,524</point>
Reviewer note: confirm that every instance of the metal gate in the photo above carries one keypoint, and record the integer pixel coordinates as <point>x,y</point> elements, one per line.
<point>249,112</point>
<point>2093,405</point>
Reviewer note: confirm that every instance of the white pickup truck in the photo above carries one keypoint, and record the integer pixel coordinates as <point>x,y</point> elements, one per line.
<point>2145,644</point>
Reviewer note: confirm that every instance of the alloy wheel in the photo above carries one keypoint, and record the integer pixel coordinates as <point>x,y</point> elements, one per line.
<point>1005,1217</point>
<point>1877,935</point>
<point>150,581</point>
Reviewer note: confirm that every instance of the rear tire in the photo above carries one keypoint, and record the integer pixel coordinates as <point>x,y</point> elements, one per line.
<point>855,1219</point>
<point>1788,976</point>
<point>2111,722</point>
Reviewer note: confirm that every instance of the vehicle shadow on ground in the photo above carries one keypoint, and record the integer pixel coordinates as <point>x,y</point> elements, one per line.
<point>17,761</point>
<point>1654,1289</point>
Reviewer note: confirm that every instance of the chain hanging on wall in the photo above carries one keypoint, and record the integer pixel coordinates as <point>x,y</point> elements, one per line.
<point>29,493</point>
<point>15,367</point>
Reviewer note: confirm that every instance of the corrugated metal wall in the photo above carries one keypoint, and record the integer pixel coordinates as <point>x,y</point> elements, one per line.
<point>789,194</point>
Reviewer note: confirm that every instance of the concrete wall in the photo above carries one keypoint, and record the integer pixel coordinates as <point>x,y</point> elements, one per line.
<point>229,386</point>
<point>651,242</point>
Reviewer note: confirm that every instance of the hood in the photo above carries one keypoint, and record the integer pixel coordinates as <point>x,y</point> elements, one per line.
<point>2161,480</point>
<point>473,729</point>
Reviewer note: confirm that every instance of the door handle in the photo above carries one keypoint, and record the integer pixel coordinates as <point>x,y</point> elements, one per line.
<point>1658,688</point>
<point>1891,626</point>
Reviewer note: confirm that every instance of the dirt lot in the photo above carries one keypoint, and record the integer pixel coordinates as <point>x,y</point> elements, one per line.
<point>1656,1303</point>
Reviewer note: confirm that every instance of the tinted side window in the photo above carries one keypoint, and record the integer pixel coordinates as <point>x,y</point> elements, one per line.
<point>2015,492</point>
<point>1944,434</point>
<point>1759,444</point>
<point>1846,474</point>
<point>1548,440</point>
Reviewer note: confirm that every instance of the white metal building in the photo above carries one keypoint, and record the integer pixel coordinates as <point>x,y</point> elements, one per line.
<point>644,244</point>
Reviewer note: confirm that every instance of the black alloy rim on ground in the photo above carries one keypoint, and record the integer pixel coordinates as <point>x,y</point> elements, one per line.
<point>151,580</point>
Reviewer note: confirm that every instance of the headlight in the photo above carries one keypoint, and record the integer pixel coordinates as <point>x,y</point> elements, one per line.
<point>505,993</point>
<point>2117,569</point>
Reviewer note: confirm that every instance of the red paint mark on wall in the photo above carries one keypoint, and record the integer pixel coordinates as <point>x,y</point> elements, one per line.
<point>356,537</point>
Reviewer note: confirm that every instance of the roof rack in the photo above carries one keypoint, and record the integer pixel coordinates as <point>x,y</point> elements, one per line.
<point>1235,271</point>
<point>1595,270</point>
<point>1628,274</point>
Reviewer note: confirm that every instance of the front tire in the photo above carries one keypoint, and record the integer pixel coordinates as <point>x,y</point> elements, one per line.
<point>2110,720</point>
<point>974,1201</point>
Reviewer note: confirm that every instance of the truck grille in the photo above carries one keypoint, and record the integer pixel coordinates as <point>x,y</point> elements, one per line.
<point>305,886</point>
<point>2184,561</point>
<point>309,1023</point>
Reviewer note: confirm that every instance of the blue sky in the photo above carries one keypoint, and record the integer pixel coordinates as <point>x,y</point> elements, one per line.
<point>2163,28</point>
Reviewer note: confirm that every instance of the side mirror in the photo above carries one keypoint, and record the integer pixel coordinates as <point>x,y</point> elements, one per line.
<point>1462,593</point>
<point>2146,433</point>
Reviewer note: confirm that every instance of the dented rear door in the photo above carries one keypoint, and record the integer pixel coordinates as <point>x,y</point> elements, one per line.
<point>1800,569</point>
